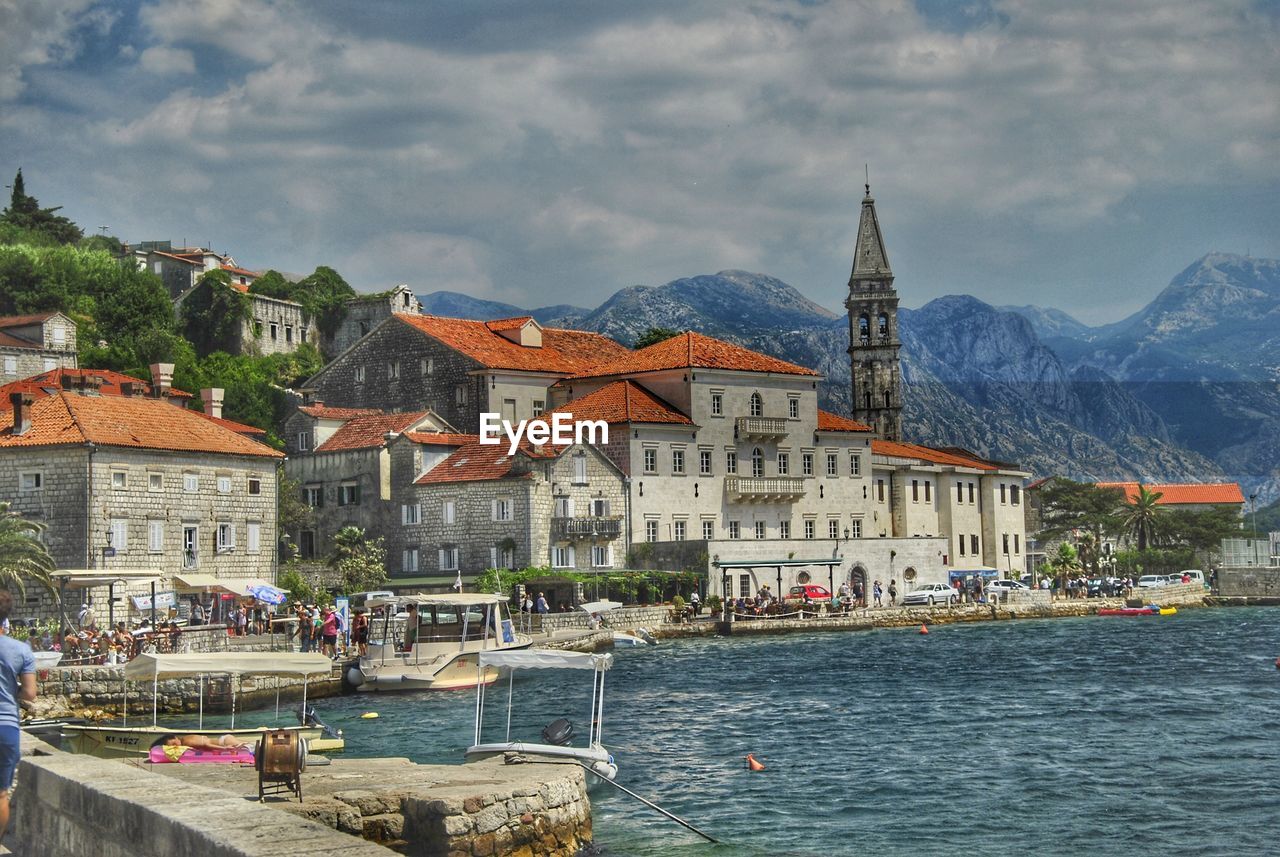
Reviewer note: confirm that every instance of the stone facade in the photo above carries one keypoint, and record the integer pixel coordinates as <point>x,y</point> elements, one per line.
<point>873,330</point>
<point>276,327</point>
<point>366,312</point>
<point>35,344</point>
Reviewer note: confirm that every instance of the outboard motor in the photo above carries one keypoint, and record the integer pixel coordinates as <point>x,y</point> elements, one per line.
<point>558,732</point>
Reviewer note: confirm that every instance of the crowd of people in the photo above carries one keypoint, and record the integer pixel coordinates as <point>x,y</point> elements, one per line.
<point>92,645</point>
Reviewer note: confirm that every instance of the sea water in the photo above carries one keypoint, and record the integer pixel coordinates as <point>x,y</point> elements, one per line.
<point>1099,735</point>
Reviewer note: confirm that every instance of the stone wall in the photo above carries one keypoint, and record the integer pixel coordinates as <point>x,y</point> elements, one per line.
<point>1249,582</point>
<point>274,326</point>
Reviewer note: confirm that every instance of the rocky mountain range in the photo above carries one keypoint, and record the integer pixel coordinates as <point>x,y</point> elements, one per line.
<point>1184,390</point>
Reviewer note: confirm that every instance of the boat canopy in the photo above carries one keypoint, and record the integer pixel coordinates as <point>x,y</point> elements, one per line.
<point>146,666</point>
<point>600,606</point>
<point>546,659</point>
<point>457,599</point>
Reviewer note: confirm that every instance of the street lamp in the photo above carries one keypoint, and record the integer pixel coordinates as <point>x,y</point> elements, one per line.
<point>1253,510</point>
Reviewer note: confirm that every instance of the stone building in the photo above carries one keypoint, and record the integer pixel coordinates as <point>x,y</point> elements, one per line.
<point>366,312</point>
<point>458,368</point>
<point>275,326</point>
<point>179,268</point>
<point>873,330</point>
<point>31,344</point>
<point>132,483</point>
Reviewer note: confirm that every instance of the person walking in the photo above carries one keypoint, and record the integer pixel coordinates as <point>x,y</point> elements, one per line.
<point>17,685</point>
<point>329,632</point>
<point>197,612</point>
<point>541,605</point>
<point>876,592</point>
<point>694,603</point>
<point>893,592</point>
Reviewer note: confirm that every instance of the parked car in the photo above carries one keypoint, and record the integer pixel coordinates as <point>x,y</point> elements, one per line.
<point>1002,588</point>
<point>1148,581</point>
<point>809,592</point>
<point>930,593</point>
<point>1196,575</point>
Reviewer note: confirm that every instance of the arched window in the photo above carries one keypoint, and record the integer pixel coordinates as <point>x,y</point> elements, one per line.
<point>866,400</point>
<point>886,398</point>
<point>757,405</point>
<point>757,463</point>
<point>884,325</point>
<point>864,329</point>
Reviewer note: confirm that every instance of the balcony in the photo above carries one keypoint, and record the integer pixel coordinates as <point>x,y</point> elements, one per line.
<point>568,529</point>
<point>763,489</point>
<point>761,427</point>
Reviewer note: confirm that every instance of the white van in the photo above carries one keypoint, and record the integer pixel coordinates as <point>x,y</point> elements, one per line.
<point>1196,575</point>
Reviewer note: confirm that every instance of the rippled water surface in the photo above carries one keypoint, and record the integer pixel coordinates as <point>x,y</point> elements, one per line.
<point>1105,735</point>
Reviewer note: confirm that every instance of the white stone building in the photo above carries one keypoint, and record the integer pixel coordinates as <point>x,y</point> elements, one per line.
<point>31,344</point>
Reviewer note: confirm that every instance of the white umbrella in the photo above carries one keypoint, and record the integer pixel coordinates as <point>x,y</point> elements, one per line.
<point>600,606</point>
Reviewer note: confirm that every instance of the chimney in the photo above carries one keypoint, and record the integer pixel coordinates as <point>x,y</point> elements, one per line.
<point>21,412</point>
<point>161,379</point>
<point>126,389</point>
<point>212,399</point>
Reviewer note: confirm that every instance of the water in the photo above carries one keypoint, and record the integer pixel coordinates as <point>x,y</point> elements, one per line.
<point>1074,736</point>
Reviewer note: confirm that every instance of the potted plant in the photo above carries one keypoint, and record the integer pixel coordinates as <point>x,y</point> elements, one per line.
<point>677,609</point>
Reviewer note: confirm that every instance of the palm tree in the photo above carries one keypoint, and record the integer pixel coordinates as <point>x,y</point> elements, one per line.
<point>1143,518</point>
<point>1065,562</point>
<point>23,556</point>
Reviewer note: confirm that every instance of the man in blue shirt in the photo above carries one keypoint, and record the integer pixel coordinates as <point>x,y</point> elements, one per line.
<point>17,684</point>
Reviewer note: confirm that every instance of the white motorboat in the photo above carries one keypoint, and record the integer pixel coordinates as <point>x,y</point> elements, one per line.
<point>129,740</point>
<point>431,642</point>
<point>557,737</point>
<point>597,611</point>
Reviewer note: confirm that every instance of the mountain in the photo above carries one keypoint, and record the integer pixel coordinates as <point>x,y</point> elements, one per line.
<point>1050,323</point>
<point>457,305</point>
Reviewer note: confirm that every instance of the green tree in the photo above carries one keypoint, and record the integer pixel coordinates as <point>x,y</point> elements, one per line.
<point>24,212</point>
<point>272,284</point>
<point>23,556</point>
<point>1068,507</point>
<point>293,514</point>
<point>361,561</point>
<point>1201,531</point>
<point>1143,517</point>
<point>655,335</point>
<point>293,581</point>
<point>324,295</point>
<point>1064,563</point>
<point>213,313</point>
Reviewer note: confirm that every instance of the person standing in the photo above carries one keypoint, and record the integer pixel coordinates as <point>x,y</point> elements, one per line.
<point>197,612</point>
<point>304,628</point>
<point>876,592</point>
<point>695,603</point>
<point>893,592</point>
<point>85,617</point>
<point>329,632</point>
<point>17,685</point>
<point>541,605</point>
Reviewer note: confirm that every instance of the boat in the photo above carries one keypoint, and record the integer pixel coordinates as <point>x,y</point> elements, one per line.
<point>1145,610</point>
<point>126,740</point>
<point>452,630</point>
<point>599,610</point>
<point>557,737</point>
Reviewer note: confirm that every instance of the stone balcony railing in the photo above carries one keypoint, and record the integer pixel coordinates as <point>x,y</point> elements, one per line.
<point>586,528</point>
<point>760,489</point>
<point>761,427</point>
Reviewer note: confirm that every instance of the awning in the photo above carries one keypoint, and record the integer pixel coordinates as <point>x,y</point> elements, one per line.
<point>401,582</point>
<point>83,577</point>
<point>600,606</point>
<point>147,666</point>
<point>236,586</point>
<point>969,572</point>
<point>774,563</point>
<point>187,580</point>
<point>545,659</point>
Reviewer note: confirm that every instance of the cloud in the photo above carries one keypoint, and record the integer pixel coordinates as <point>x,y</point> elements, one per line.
<point>166,61</point>
<point>34,33</point>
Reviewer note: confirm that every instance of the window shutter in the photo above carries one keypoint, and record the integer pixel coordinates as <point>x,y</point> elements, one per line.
<point>493,557</point>
<point>443,562</point>
<point>572,562</point>
<point>568,504</point>
<point>493,510</point>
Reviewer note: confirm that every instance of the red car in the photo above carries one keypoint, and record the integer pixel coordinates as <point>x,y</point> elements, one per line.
<point>810,591</point>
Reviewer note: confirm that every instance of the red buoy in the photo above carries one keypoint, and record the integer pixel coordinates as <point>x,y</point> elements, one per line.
<point>924,629</point>
<point>752,764</point>
<point>1278,663</point>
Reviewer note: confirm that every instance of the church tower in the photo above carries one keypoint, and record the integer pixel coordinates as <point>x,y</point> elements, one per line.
<point>873,330</point>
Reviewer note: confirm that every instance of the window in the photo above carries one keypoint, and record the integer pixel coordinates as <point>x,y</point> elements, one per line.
<point>562,556</point>
<point>806,464</point>
<point>226,537</point>
<point>708,530</point>
<point>880,490</point>
<point>1015,496</point>
<point>855,464</point>
<point>119,479</point>
<point>313,496</point>
<point>191,546</point>
<point>393,370</point>
<point>509,410</point>
<point>784,529</point>
<point>784,463</point>
<point>304,441</point>
<point>680,531</point>
<point>360,374</point>
<point>717,400</point>
<point>426,366</point>
<point>730,461</point>
<point>274,331</point>
<point>224,484</point>
<point>409,559</point>
<point>539,406</point>
<point>759,528</point>
<point>961,540</point>
<point>254,537</point>
<point>601,556</point>
<point>460,395</point>
<point>449,512</point>
<point>255,486</point>
<point>257,329</point>
<point>155,481</point>
<point>563,507</point>
<point>1004,543</point>
<point>833,464</point>
<point>855,528</point>
<point>50,364</point>
<point>677,462</point>
<point>580,468</point>
<point>757,463</point>
<point>704,462</point>
<point>1002,492</point>
<point>928,490</point>
<point>650,531</point>
<point>833,529</point>
<point>500,557</point>
<point>30,481</point>
<point>973,544</point>
<point>971,493</point>
<point>349,494</point>
<point>191,482</point>
<point>155,536</point>
<point>735,530</point>
<point>599,508</point>
<point>915,490</point>
<point>448,558</point>
<point>1016,546</point>
<point>959,492</point>
<point>651,461</point>
<point>808,529</point>
<point>793,408</point>
<point>11,365</point>
<point>502,509</point>
<point>757,405</point>
<point>744,586</point>
<point>288,333</point>
<point>410,513</point>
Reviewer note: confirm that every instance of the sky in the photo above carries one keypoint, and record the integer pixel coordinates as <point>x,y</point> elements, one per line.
<point>1075,155</point>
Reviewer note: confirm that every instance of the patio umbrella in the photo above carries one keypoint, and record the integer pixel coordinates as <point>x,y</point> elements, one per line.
<point>269,594</point>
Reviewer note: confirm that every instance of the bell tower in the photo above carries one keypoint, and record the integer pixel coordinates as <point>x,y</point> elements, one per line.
<point>873,330</point>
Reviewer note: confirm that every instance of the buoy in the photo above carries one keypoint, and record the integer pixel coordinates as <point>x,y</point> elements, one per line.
<point>369,715</point>
<point>752,764</point>
<point>924,629</point>
<point>1278,663</point>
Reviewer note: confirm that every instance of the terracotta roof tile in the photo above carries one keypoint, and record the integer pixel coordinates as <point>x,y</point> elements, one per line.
<point>238,428</point>
<point>895,449</point>
<point>24,320</point>
<point>441,438</point>
<point>324,412</point>
<point>51,381</point>
<point>68,418</point>
<point>1184,493</point>
<point>692,350</point>
<point>828,421</point>
<point>476,462</point>
<point>240,272</point>
<point>500,324</point>
<point>9,341</point>
<point>367,432</point>
<point>623,402</point>
<point>562,351</point>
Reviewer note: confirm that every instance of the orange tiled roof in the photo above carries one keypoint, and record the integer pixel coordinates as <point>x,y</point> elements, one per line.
<point>51,382</point>
<point>476,462</point>
<point>238,428</point>
<point>242,272</point>
<point>500,324</point>
<point>623,402</point>
<point>692,350</point>
<point>926,453</point>
<point>10,341</point>
<point>441,438</point>
<point>69,419</point>
<point>239,287</point>
<point>828,421</point>
<point>324,412</point>
<point>367,432</point>
<point>1183,493</point>
<point>562,351</point>
<point>24,320</point>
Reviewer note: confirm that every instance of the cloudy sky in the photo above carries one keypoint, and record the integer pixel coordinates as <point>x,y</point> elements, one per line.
<point>1031,151</point>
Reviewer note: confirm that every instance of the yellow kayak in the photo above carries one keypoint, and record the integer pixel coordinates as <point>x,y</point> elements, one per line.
<point>1168,611</point>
